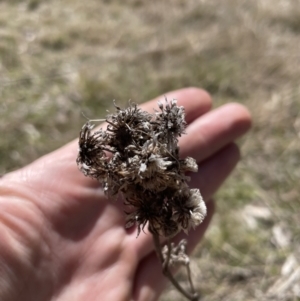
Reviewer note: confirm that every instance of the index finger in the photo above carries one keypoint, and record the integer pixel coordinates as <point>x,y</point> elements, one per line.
<point>61,163</point>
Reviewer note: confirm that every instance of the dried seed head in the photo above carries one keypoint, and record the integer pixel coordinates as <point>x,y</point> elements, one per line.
<point>128,126</point>
<point>189,164</point>
<point>92,160</point>
<point>144,166</point>
<point>170,120</point>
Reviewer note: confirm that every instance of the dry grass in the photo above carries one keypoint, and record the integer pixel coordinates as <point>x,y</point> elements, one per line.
<point>61,58</point>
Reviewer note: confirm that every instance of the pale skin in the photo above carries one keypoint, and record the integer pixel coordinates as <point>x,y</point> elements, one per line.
<point>61,239</point>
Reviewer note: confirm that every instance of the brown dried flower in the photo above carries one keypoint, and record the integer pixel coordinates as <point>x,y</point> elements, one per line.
<point>138,157</point>
<point>145,167</point>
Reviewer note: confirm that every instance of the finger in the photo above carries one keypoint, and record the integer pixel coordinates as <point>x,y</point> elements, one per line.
<point>195,101</point>
<point>208,134</point>
<point>149,280</point>
<point>61,163</point>
<point>210,176</point>
<point>213,172</point>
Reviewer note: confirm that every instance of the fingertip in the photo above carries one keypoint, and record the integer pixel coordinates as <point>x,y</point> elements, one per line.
<point>243,120</point>
<point>198,94</point>
<point>196,101</point>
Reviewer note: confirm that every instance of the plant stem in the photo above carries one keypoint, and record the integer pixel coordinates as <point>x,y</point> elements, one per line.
<point>167,260</point>
<point>166,270</point>
<point>190,278</point>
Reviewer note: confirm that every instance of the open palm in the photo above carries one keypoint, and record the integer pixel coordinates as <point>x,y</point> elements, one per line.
<point>61,239</point>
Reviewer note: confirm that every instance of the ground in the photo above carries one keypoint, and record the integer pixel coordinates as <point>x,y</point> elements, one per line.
<point>61,58</point>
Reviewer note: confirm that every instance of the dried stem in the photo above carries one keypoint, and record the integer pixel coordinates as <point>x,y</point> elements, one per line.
<point>167,260</point>
<point>190,279</point>
<point>166,269</point>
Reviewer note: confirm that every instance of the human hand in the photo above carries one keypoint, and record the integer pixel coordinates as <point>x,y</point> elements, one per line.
<point>62,239</point>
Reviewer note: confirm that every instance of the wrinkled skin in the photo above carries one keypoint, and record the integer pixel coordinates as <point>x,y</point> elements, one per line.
<point>61,239</point>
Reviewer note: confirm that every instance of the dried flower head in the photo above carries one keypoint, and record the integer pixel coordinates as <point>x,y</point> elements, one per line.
<point>127,127</point>
<point>92,160</point>
<point>138,157</point>
<point>170,121</point>
<point>145,167</point>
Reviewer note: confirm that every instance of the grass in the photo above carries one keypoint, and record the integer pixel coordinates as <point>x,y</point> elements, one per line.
<point>60,59</point>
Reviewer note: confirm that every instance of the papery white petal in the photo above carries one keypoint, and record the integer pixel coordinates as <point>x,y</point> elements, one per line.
<point>190,164</point>
<point>143,167</point>
<point>160,162</point>
<point>195,198</point>
<point>199,210</point>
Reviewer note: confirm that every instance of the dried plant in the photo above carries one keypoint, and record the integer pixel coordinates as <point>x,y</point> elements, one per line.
<point>138,157</point>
